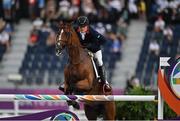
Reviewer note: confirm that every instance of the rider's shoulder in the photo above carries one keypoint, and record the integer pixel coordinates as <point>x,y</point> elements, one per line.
<point>91,29</point>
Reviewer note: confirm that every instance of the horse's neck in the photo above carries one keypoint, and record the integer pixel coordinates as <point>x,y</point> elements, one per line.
<point>76,52</point>
<point>74,55</point>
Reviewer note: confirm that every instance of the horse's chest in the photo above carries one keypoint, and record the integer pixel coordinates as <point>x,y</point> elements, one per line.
<point>75,73</point>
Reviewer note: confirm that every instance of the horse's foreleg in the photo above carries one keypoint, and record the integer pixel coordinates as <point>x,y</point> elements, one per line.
<point>68,91</point>
<point>66,88</point>
<point>110,110</point>
<point>90,112</point>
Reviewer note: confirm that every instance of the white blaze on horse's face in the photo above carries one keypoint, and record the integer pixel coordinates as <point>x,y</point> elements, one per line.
<point>60,36</point>
<point>59,47</point>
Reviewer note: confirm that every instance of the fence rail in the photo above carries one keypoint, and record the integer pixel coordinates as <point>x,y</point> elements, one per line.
<point>7,97</point>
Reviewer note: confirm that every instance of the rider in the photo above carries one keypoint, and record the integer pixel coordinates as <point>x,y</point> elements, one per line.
<point>92,40</point>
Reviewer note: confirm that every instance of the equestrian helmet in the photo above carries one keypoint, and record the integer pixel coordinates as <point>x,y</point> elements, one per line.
<point>82,21</point>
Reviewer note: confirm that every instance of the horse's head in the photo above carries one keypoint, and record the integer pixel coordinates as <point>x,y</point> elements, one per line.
<point>63,37</point>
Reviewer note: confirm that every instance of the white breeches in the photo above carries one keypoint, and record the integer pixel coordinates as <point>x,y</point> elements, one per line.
<point>98,56</point>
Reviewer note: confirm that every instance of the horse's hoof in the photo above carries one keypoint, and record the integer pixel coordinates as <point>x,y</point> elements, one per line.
<point>107,89</point>
<point>61,88</point>
<point>74,104</point>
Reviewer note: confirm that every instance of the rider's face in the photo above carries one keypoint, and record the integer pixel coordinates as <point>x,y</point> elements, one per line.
<point>83,29</point>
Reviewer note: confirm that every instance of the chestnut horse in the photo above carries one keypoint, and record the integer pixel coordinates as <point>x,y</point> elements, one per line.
<point>79,74</point>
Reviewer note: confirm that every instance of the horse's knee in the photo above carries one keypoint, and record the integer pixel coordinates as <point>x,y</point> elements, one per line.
<point>68,90</point>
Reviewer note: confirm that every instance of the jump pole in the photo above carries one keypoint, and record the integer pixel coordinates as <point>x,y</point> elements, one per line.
<point>12,97</point>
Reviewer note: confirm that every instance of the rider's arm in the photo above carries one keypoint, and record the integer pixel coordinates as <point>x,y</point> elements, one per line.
<point>100,38</point>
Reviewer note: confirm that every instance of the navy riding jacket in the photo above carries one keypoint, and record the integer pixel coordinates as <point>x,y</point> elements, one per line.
<point>93,40</point>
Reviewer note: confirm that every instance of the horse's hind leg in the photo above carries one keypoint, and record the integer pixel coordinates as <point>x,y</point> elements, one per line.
<point>90,112</point>
<point>110,111</point>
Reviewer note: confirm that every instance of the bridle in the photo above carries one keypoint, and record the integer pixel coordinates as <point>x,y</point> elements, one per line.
<point>59,42</point>
<point>66,43</point>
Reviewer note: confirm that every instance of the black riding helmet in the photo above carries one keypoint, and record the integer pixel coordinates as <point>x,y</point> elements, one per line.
<point>82,21</point>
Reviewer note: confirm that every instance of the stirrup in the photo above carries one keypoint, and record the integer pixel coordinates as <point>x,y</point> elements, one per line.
<point>106,90</point>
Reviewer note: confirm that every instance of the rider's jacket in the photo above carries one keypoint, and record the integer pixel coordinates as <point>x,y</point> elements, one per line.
<point>92,40</point>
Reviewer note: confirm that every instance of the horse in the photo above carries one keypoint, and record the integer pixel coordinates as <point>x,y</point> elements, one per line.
<point>79,74</point>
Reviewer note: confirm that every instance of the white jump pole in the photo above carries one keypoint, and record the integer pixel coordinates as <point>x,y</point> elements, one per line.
<point>8,97</point>
<point>30,97</point>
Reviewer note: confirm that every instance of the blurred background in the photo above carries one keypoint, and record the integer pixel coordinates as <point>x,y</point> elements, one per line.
<point>137,32</point>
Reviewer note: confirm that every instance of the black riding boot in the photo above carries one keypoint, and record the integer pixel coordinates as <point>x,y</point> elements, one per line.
<point>102,73</point>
